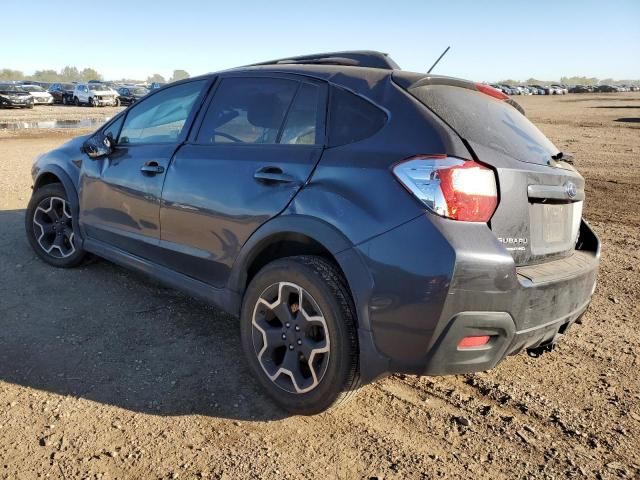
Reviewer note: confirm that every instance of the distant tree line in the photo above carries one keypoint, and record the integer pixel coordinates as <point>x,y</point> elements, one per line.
<point>571,81</point>
<point>73,74</point>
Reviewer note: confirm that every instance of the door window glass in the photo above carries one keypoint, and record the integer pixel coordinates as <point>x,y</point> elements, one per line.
<point>304,121</point>
<point>247,110</point>
<point>161,117</point>
<point>114,128</point>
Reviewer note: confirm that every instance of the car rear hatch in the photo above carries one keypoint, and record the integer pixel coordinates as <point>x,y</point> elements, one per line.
<point>540,196</point>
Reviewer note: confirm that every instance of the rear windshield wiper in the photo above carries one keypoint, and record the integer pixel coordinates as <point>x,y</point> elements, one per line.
<point>563,157</point>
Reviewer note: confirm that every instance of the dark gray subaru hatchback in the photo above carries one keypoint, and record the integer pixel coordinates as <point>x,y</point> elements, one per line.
<point>358,219</point>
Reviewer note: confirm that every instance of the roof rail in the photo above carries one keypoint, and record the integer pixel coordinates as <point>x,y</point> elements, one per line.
<point>356,58</point>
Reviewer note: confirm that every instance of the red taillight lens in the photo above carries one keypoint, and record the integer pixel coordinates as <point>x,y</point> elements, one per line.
<point>492,92</point>
<point>474,342</point>
<point>451,187</point>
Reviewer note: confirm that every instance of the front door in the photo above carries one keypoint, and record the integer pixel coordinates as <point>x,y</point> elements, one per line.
<point>257,145</point>
<point>120,193</point>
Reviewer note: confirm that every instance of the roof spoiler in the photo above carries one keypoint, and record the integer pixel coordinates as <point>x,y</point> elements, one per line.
<point>407,83</point>
<point>355,58</point>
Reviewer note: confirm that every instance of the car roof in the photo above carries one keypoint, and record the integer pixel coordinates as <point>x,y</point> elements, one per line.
<point>369,77</point>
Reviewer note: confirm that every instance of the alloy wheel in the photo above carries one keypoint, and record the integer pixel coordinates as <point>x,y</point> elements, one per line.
<point>53,227</point>
<point>290,337</point>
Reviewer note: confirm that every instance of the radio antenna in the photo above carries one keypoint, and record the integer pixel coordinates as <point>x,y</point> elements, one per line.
<point>439,58</point>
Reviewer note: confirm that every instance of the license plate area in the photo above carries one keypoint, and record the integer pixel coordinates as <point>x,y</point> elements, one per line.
<point>554,221</point>
<point>552,227</point>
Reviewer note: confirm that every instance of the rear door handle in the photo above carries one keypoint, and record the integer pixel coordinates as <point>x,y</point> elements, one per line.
<point>152,168</point>
<point>273,175</point>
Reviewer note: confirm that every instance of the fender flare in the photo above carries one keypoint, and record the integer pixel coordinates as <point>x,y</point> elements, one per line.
<point>356,273</point>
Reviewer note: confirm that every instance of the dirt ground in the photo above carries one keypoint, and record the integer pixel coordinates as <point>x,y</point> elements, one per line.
<point>106,374</point>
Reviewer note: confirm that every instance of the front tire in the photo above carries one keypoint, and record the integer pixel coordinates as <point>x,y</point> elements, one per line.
<point>49,225</point>
<point>298,331</point>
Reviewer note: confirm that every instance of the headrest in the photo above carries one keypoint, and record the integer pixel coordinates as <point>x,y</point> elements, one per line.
<point>265,110</point>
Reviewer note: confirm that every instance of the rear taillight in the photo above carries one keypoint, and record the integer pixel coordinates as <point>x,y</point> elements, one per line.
<point>450,187</point>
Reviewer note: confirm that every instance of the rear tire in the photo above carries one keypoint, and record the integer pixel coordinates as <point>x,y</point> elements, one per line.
<point>49,224</point>
<point>298,332</point>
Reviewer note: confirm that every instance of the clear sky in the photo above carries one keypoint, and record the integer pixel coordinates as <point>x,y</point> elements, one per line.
<point>490,40</point>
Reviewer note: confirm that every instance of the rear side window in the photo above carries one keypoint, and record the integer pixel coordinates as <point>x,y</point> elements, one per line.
<point>352,118</point>
<point>247,110</point>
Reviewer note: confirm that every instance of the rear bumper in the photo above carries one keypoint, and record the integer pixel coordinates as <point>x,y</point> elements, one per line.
<point>451,280</point>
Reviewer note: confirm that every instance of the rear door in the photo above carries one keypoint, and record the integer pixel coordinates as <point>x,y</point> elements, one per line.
<point>259,140</point>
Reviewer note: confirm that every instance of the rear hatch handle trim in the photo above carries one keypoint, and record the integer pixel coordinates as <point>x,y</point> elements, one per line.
<point>568,192</point>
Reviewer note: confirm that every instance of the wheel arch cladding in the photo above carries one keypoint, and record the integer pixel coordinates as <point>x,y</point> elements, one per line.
<point>290,235</point>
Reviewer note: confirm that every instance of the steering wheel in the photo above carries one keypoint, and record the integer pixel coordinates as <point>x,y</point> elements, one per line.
<point>226,135</point>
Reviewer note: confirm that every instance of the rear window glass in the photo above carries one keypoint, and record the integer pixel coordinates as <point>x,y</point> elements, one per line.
<point>488,122</point>
<point>352,118</point>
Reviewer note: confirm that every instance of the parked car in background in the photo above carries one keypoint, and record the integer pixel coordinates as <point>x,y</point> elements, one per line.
<point>39,94</point>
<point>247,188</point>
<point>95,94</point>
<point>544,88</point>
<point>129,95</point>
<point>156,85</point>
<point>62,93</point>
<point>12,95</point>
<point>513,90</point>
<point>578,89</point>
<point>536,90</point>
<point>606,89</point>
<point>560,89</point>
<point>509,90</point>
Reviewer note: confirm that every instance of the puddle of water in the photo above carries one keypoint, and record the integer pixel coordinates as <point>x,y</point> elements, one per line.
<point>47,124</point>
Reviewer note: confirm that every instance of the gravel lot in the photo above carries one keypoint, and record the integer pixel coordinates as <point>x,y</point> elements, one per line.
<point>106,374</point>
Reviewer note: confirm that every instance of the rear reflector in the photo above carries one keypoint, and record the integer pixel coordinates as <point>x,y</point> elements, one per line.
<point>472,342</point>
<point>450,187</point>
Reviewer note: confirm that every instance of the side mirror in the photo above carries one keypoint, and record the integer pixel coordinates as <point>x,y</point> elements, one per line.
<point>99,145</point>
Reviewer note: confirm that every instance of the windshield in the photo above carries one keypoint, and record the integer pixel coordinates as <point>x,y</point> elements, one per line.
<point>32,88</point>
<point>8,87</point>
<point>97,87</point>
